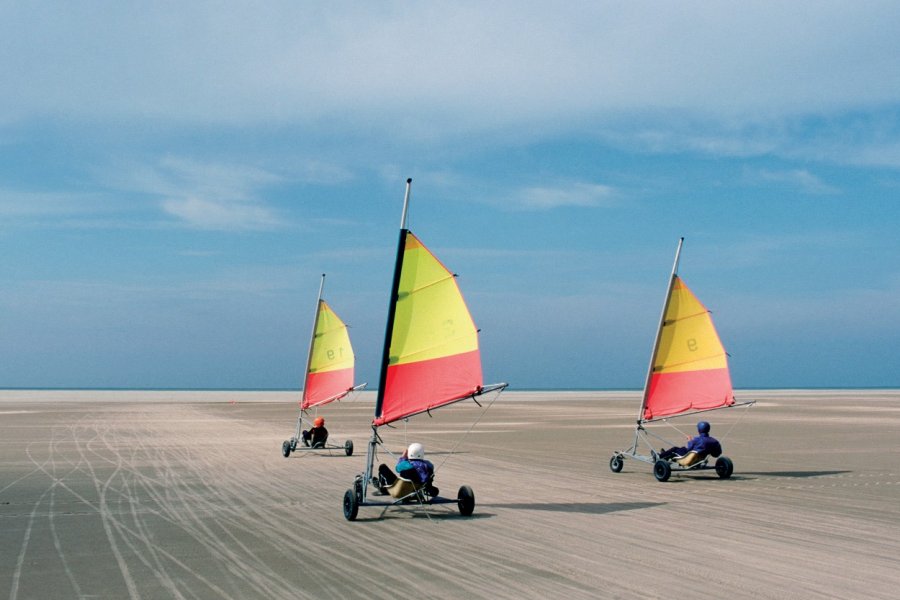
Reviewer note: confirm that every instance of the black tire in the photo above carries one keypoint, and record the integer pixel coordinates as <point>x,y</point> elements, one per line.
<point>662,470</point>
<point>465,498</point>
<point>286,448</point>
<point>724,467</point>
<point>616,463</point>
<point>351,505</point>
<point>348,447</point>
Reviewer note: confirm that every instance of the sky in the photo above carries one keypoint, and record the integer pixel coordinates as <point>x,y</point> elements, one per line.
<point>174,178</point>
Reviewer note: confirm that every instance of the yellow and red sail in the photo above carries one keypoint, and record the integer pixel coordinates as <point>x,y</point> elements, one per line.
<point>330,373</point>
<point>433,358</point>
<point>690,367</point>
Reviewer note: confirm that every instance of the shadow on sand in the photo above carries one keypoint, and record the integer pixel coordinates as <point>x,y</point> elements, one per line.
<point>794,474</point>
<point>594,508</point>
<point>416,512</point>
<point>682,476</point>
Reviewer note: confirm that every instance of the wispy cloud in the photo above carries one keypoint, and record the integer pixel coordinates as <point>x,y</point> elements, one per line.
<point>563,195</point>
<point>72,210</point>
<point>760,250</point>
<point>204,195</point>
<point>442,68</point>
<point>801,179</point>
<point>15,204</point>
<point>220,214</point>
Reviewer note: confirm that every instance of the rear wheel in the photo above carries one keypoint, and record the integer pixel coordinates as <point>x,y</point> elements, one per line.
<point>616,463</point>
<point>351,505</point>
<point>348,447</point>
<point>662,470</point>
<point>724,467</point>
<point>465,498</point>
<point>286,448</point>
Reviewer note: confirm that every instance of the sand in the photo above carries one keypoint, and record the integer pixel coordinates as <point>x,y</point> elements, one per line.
<point>187,495</point>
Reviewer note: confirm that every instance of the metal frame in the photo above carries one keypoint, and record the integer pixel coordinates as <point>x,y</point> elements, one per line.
<point>641,434</point>
<point>312,340</point>
<point>358,494</point>
<point>662,322</point>
<point>294,444</point>
<point>367,478</point>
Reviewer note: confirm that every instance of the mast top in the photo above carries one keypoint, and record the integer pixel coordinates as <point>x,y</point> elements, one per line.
<point>677,256</point>
<point>403,218</point>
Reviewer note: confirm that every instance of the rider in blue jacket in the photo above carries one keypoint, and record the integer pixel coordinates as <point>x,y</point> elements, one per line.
<point>412,466</point>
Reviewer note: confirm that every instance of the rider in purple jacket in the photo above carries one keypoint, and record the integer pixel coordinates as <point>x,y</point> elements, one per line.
<point>702,443</point>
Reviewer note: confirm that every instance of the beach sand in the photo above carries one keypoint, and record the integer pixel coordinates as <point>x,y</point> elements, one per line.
<point>186,495</point>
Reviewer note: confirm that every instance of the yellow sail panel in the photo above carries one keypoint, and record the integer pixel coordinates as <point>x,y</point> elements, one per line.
<point>431,319</point>
<point>331,349</point>
<point>689,341</point>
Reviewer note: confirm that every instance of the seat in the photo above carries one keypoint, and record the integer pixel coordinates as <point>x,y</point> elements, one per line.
<point>401,488</point>
<point>691,458</point>
<point>404,488</point>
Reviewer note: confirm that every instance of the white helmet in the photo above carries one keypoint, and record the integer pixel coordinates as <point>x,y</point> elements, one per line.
<point>415,450</point>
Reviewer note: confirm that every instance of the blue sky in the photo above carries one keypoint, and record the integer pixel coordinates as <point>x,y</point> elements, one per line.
<point>173,180</point>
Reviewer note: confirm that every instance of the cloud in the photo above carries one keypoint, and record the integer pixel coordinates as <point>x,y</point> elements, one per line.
<point>573,194</point>
<point>220,214</point>
<point>443,68</point>
<point>798,178</point>
<point>203,194</point>
<point>15,204</point>
<point>745,251</point>
<point>76,210</point>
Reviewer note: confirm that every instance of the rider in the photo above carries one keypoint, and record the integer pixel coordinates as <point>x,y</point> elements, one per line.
<point>702,444</point>
<point>317,436</point>
<point>412,466</point>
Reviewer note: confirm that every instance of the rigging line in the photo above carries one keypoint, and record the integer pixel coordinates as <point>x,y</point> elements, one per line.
<point>733,425</point>
<point>648,433</point>
<point>471,427</point>
<point>675,427</point>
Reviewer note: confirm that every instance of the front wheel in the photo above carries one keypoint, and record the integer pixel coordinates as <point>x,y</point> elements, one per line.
<point>724,467</point>
<point>286,448</point>
<point>616,463</point>
<point>465,498</point>
<point>351,505</point>
<point>348,447</point>
<point>662,470</point>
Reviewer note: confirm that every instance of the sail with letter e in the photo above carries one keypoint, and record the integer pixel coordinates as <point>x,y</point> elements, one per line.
<point>689,369</point>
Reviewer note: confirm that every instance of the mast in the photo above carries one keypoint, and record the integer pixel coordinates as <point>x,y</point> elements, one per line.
<point>392,304</point>
<point>662,322</point>
<point>312,341</point>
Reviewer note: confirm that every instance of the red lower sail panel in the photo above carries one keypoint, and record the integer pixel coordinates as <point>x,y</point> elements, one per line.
<point>675,393</point>
<point>326,385</point>
<point>415,387</point>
